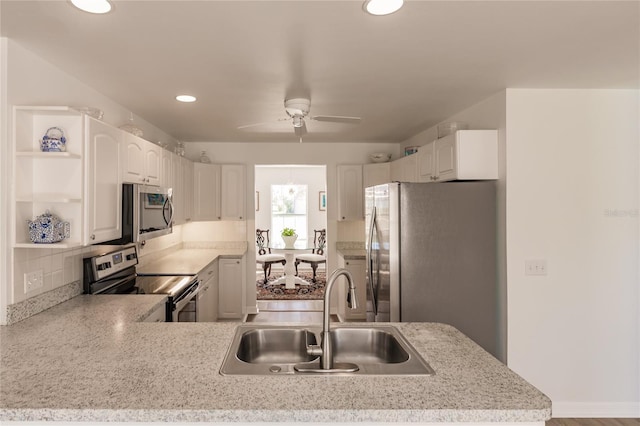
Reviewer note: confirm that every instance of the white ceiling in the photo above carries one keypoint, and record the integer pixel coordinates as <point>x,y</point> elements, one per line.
<point>401,73</point>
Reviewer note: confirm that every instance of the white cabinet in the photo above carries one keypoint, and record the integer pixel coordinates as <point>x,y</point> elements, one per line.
<point>206,187</point>
<point>463,155</point>
<point>103,189</point>
<point>47,180</point>
<point>142,161</point>
<point>350,192</point>
<point>405,169</point>
<point>232,192</point>
<point>158,315</point>
<point>177,184</point>
<point>187,188</point>
<point>231,288</point>
<point>357,269</point>
<point>376,174</point>
<point>208,296</point>
<point>166,173</point>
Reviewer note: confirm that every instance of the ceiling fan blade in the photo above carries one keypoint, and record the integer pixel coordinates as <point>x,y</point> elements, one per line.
<point>263,123</point>
<point>301,131</point>
<point>337,119</point>
<point>252,125</point>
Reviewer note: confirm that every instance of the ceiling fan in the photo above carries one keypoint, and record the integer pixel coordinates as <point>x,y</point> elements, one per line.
<point>298,110</point>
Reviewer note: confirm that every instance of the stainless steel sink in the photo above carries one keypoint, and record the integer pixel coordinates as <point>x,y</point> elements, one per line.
<point>273,350</point>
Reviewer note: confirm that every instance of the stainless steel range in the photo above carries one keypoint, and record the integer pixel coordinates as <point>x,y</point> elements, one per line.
<point>115,273</point>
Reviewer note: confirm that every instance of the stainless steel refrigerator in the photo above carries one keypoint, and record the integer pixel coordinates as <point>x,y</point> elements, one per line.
<point>431,256</point>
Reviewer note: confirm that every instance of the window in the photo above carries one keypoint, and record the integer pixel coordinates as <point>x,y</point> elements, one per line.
<point>289,209</point>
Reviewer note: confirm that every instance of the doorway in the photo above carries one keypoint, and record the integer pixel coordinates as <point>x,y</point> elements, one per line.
<point>291,196</point>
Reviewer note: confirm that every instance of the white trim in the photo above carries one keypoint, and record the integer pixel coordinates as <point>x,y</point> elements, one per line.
<point>596,409</point>
<point>6,279</point>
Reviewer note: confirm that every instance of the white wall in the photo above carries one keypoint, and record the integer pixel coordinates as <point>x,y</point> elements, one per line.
<point>572,199</point>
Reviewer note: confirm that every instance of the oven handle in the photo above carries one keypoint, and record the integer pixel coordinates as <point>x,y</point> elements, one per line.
<point>121,281</point>
<point>186,297</point>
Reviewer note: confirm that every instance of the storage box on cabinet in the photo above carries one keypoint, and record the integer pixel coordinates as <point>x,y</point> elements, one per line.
<point>464,155</point>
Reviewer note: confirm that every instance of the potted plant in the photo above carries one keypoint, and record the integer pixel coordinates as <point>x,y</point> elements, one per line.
<point>289,237</point>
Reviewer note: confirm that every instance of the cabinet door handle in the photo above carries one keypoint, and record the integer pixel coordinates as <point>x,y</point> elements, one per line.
<point>240,217</point>
<point>237,262</point>
<point>93,237</point>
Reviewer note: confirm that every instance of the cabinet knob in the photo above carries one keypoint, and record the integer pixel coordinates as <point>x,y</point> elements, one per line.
<point>237,262</point>
<point>218,217</point>
<point>93,237</point>
<point>342,217</point>
<point>240,217</point>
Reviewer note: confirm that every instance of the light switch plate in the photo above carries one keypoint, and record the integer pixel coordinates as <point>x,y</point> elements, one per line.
<point>33,280</point>
<point>535,267</point>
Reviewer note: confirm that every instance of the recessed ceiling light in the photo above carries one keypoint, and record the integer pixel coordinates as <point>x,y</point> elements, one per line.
<point>92,6</point>
<point>382,7</point>
<point>186,98</point>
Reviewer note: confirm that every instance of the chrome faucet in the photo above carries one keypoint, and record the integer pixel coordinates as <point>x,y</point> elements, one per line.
<point>325,350</point>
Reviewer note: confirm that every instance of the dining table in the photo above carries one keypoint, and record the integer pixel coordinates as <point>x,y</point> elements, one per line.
<point>290,279</point>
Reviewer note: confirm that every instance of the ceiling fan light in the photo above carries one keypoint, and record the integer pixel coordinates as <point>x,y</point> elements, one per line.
<point>382,7</point>
<point>92,6</point>
<point>298,121</point>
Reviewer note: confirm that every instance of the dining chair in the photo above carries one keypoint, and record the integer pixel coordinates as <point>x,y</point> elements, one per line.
<point>265,257</point>
<point>316,257</point>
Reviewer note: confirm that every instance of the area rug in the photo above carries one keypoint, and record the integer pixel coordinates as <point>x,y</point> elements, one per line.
<point>314,291</point>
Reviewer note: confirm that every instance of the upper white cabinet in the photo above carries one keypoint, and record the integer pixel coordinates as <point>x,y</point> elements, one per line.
<point>103,189</point>
<point>219,192</point>
<point>187,188</point>
<point>206,188</point>
<point>166,173</point>
<point>350,192</point>
<point>81,185</point>
<point>142,161</point>
<point>177,184</point>
<point>463,155</point>
<point>47,180</point>
<point>232,192</point>
<point>376,174</point>
<point>405,169</point>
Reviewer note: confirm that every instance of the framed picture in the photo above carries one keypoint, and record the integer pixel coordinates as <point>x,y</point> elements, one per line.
<point>322,200</point>
<point>257,201</point>
<point>154,201</point>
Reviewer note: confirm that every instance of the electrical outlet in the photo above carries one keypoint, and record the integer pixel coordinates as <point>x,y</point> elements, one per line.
<point>535,267</point>
<point>33,280</point>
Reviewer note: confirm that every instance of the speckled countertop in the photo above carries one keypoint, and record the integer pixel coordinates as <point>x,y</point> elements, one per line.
<point>188,261</point>
<point>353,254</point>
<point>89,360</point>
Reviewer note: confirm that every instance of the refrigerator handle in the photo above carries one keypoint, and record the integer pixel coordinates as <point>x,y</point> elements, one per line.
<point>372,223</point>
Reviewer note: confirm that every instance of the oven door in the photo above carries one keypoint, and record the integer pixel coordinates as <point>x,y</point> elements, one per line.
<point>184,308</point>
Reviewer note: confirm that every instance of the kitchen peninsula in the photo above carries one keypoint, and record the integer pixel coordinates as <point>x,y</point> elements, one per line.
<point>91,359</point>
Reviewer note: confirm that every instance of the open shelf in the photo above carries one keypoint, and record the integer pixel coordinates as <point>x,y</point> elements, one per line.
<point>61,245</point>
<point>48,155</point>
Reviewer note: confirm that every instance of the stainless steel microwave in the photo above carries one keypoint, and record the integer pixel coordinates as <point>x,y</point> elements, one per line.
<point>147,212</point>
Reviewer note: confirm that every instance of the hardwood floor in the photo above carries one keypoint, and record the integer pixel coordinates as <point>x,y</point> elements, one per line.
<point>593,422</point>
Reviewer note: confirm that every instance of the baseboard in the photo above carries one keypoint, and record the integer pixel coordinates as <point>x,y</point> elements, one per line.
<point>596,409</point>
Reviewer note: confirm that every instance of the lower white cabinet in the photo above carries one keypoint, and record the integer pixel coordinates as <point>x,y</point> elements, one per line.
<point>208,296</point>
<point>357,269</point>
<point>158,315</point>
<point>231,288</point>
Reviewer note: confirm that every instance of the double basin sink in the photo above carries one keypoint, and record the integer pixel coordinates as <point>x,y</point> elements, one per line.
<point>273,350</point>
